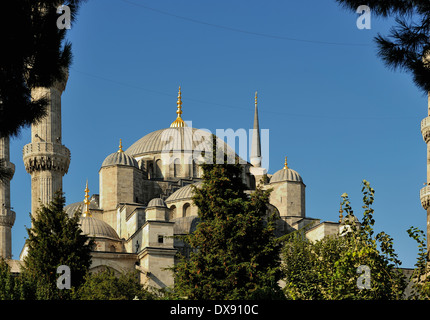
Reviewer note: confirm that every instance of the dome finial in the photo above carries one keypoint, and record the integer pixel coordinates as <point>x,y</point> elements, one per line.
<point>285,164</point>
<point>178,123</point>
<point>120,146</point>
<point>87,212</point>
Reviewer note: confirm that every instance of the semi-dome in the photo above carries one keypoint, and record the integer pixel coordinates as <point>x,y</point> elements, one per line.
<point>120,158</point>
<point>286,174</point>
<point>156,202</point>
<point>97,228</point>
<point>185,192</point>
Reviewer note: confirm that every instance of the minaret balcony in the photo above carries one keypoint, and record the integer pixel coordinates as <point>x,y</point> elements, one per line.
<point>46,156</point>
<point>425,129</point>
<point>425,197</point>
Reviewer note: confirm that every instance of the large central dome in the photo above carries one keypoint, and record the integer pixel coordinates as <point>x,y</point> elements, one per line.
<point>178,138</point>
<point>175,139</point>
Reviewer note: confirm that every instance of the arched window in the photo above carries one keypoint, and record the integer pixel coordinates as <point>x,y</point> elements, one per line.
<point>150,171</point>
<point>195,170</point>
<point>172,212</point>
<point>177,168</point>
<point>186,210</point>
<point>158,170</point>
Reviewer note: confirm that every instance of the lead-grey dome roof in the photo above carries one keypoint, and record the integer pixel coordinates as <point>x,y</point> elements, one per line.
<point>80,206</point>
<point>286,175</point>
<point>185,192</point>
<point>156,202</point>
<point>174,139</point>
<point>97,228</point>
<point>120,158</point>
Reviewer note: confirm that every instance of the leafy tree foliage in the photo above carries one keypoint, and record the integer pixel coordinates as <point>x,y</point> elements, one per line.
<point>235,254</point>
<point>327,269</point>
<point>34,54</point>
<point>53,240</point>
<point>420,276</point>
<point>408,41</point>
<point>105,285</point>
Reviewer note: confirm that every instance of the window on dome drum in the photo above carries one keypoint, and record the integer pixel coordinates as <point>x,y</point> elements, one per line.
<point>177,168</point>
<point>150,171</point>
<point>160,238</point>
<point>186,210</point>
<point>158,172</point>
<point>172,213</point>
<point>195,168</point>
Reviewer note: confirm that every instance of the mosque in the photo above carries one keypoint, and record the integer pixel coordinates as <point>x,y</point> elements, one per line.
<point>145,193</point>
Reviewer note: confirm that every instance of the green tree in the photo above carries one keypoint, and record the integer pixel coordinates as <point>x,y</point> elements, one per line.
<point>105,285</point>
<point>35,54</point>
<point>234,250</point>
<point>8,290</point>
<point>327,269</point>
<point>408,41</point>
<point>420,276</point>
<point>53,240</point>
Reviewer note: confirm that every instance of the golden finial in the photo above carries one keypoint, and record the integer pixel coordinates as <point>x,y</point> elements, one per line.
<point>178,123</point>
<point>340,213</point>
<point>120,146</point>
<point>255,97</point>
<point>285,164</point>
<point>87,212</point>
<point>179,103</point>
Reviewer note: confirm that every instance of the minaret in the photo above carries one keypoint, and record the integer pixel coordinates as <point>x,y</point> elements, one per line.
<point>7,216</point>
<point>255,155</point>
<point>425,192</point>
<point>46,159</point>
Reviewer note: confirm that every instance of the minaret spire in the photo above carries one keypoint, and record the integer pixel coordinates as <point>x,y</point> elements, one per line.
<point>87,212</point>
<point>179,123</point>
<point>256,143</point>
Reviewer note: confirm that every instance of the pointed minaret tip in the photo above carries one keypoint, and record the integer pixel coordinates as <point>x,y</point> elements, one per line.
<point>255,157</point>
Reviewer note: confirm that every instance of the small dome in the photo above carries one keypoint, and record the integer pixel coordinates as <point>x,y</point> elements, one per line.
<point>156,202</point>
<point>80,206</point>
<point>97,228</point>
<point>120,158</point>
<point>185,192</point>
<point>286,175</point>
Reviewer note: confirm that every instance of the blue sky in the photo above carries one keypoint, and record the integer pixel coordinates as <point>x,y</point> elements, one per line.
<point>329,102</point>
